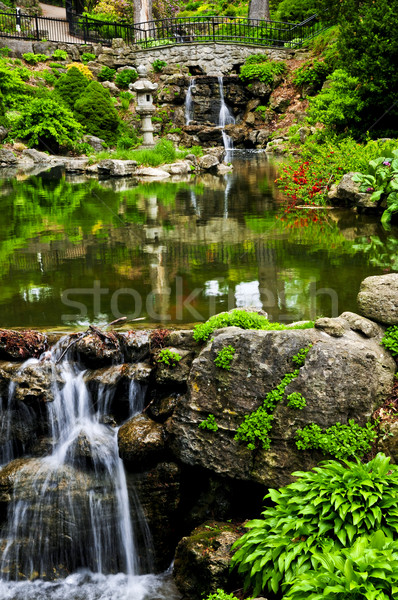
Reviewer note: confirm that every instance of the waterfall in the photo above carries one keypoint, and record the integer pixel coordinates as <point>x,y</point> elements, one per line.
<point>69,532</point>
<point>189,102</point>
<point>225,118</point>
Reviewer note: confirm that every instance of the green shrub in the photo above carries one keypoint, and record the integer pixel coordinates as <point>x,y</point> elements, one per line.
<point>49,77</point>
<point>390,339</point>
<point>96,111</point>
<point>209,423</point>
<point>239,318</point>
<point>338,106</point>
<point>47,124</point>
<point>87,57</point>
<point>168,357</point>
<point>32,58</point>
<point>106,74</point>
<point>5,51</point>
<point>158,65</point>
<point>266,70</point>
<point>55,65</point>
<point>24,73</point>
<point>125,77</point>
<point>11,81</point>
<point>325,509</point>
<point>339,440</point>
<point>225,357</point>
<point>295,11</point>
<point>60,54</point>
<point>365,571</point>
<point>221,595</point>
<point>71,86</point>
<point>312,72</point>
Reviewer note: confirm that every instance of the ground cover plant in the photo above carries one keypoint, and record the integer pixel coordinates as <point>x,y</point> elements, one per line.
<point>327,510</point>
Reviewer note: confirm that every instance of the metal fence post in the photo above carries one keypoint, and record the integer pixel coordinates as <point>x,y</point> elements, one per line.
<point>85,29</point>
<point>37,28</point>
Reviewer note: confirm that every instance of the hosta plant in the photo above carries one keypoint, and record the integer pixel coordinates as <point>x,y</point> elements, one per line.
<point>368,570</point>
<point>381,181</point>
<point>325,510</point>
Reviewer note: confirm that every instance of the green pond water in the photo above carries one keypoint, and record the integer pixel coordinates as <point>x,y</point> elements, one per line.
<point>75,251</point>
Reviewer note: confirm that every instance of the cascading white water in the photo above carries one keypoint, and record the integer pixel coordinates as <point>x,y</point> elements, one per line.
<point>70,510</point>
<point>189,102</point>
<point>225,118</point>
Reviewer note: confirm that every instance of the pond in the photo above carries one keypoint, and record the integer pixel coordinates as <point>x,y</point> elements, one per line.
<point>75,251</point>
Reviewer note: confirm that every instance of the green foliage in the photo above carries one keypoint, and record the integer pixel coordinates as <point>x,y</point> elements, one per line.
<point>381,180</point>
<point>260,67</point>
<point>221,595</point>
<point>367,570</point>
<point>60,54</point>
<point>209,423</point>
<point>325,509</point>
<point>295,11</point>
<point>106,74</point>
<point>125,77</point>
<point>312,72</point>
<point>299,358</point>
<point>47,123</point>
<point>256,426</point>
<point>239,318</point>
<point>296,401</point>
<point>71,86</point>
<point>128,141</point>
<point>5,51</point>
<point>339,105</point>
<point>340,441</point>
<point>158,65</point>
<point>87,57</point>
<point>11,81</point>
<point>390,339</point>
<point>225,357</point>
<point>56,65</point>
<point>96,111</point>
<point>32,58</point>
<point>168,357</point>
<point>24,73</point>
<point>49,77</point>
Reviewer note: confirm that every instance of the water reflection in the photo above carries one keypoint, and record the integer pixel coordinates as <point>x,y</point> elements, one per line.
<point>76,251</point>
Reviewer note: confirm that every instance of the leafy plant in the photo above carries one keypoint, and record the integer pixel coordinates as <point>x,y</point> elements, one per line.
<point>158,65</point>
<point>84,70</point>
<point>367,570</point>
<point>221,595</point>
<point>339,440</point>
<point>87,57</point>
<point>125,77</point>
<point>106,74</point>
<point>239,318</point>
<point>299,358</point>
<point>209,423</point>
<point>49,77</point>
<point>390,339</point>
<point>47,123</point>
<point>5,51</point>
<point>32,58</point>
<point>71,86</point>
<point>168,357</point>
<point>225,357</point>
<point>262,68</point>
<point>324,510</point>
<point>381,181</point>
<point>312,72</point>
<point>296,401</point>
<point>96,111</point>
<point>60,54</point>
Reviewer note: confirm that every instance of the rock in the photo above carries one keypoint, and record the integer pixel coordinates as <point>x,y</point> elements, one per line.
<point>335,381</point>
<point>365,326</point>
<point>179,168</point>
<point>3,133</point>
<point>378,298</point>
<point>7,158</point>
<point>278,102</point>
<point>347,194</point>
<point>222,169</point>
<point>152,173</point>
<point>116,168</point>
<point>141,442</point>
<point>95,142</point>
<point>162,408</point>
<point>78,165</point>
<point>208,162</point>
<point>20,345</point>
<point>202,559</point>
<point>334,327</point>
<point>36,156</point>
<point>277,146</point>
<point>174,375</point>
<point>159,495</point>
<point>112,87</point>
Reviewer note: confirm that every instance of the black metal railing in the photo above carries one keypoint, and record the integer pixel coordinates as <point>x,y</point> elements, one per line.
<point>82,29</point>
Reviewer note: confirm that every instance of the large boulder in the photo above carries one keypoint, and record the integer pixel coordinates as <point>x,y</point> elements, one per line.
<point>344,377</point>
<point>378,298</point>
<point>202,559</point>
<point>141,441</point>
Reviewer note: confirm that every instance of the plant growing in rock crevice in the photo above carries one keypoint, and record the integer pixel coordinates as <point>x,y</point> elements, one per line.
<point>225,357</point>
<point>168,357</point>
<point>209,423</point>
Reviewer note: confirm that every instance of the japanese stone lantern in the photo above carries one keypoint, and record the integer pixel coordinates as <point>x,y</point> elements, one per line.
<point>145,108</point>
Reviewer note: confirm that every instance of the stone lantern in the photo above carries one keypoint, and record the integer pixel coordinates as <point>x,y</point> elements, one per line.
<point>145,108</point>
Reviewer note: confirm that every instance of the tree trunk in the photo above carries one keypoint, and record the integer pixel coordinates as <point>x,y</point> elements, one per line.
<point>259,9</point>
<point>142,11</point>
